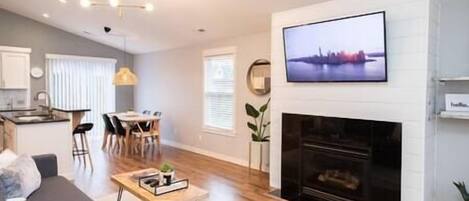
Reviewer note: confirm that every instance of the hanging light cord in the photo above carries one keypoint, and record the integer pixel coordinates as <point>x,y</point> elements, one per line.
<point>125,52</point>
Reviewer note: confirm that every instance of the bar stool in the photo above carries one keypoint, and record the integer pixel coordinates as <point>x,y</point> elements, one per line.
<point>84,149</point>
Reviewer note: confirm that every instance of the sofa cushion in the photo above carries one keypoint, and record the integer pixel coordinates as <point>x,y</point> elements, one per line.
<point>58,188</point>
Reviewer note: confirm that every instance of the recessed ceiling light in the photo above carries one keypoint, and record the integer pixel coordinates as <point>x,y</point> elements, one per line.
<point>149,7</point>
<point>85,3</point>
<point>46,15</point>
<point>63,1</point>
<point>114,3</point>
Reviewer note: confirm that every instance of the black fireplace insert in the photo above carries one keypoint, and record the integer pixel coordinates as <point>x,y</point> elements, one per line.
<point>339,159</point>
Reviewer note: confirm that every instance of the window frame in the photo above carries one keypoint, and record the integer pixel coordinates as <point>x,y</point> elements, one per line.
<point>213,129</point>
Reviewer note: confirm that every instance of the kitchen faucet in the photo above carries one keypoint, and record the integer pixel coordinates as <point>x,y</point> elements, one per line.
<point>49,103</point>
<point>10,104</point>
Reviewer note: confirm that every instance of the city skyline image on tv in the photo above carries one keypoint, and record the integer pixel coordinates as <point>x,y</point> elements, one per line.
<point>345,50</point>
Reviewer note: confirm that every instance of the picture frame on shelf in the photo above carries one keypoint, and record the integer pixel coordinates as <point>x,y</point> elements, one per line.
<point>457,102</point>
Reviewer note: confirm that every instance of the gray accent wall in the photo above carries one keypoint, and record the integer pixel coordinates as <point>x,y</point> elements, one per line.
<point>172,82</point>
<point>19,31</point>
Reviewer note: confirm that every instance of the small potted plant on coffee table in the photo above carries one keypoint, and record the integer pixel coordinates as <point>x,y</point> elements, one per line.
<point>166,173</point>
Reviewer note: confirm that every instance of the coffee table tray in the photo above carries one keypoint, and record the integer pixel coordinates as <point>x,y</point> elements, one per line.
<point>152,184</point>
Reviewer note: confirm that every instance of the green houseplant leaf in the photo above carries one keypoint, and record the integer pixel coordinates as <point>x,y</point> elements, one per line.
<point>251,111</point>
<point>255,137</point>
<point>258,127</point>
<point>166,168</point>
<point>265,106</point>
<point>462,189</point>
<point>252,126</point>
<point>265,139</point>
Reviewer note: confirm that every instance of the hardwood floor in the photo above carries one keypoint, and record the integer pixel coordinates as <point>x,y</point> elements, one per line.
<point>224,181</point>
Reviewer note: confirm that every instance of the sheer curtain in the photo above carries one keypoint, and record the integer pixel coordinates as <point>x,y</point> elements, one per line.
<point>82,82</point>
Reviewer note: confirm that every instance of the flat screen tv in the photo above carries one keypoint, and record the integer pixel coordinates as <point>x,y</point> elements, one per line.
<point>351,49</point>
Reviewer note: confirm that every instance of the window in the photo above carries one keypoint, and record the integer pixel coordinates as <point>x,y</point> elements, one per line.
<point>219,98</point>
<point>82,82</point>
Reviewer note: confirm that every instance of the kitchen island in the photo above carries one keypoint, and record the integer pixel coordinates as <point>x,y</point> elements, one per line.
<point>74,114</point>
<point>10,109</point>
<point>38,132</point>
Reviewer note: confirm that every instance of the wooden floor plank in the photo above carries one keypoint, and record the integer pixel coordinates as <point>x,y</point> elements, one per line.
<point>224,181</point>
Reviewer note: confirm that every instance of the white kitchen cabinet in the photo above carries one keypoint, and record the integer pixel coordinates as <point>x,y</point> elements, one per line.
<point>42,138</point>
<point>14,67</point>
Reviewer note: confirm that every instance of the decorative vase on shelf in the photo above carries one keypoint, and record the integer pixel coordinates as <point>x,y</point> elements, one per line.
<point>259,145</point>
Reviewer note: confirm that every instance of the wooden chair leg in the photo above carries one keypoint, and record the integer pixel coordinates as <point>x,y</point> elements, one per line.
<point>112,144</point>
<point>83,147</point>
<point>75,147</point>
<point>142,146</point>
<point>89,151</point>
<point>159,144</point>
<point>105,139</point>
<point>111,139</point>
<point>118,144</point>
<point>122,145</point>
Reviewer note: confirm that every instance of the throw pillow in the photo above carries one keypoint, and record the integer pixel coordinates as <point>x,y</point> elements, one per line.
<point>20,179</point>
<point>10,184</point>
<point>7,157</point>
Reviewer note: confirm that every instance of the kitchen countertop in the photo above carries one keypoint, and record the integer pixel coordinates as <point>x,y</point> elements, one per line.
<point>68,109</point>
<point>16,109</point>
<point>13,117</point>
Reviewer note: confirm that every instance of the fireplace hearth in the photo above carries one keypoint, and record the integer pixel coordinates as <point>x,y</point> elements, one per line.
<point>338,159</point>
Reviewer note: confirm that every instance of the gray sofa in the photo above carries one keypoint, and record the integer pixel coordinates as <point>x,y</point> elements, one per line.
<point>53,187</point>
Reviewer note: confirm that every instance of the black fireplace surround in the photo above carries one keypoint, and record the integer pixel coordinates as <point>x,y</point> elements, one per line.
<point>338,159</point>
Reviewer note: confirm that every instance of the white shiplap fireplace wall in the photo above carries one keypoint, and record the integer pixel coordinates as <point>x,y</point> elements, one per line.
<point>405,98</point>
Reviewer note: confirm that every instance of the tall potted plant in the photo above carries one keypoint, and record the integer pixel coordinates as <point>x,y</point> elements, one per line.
<point>259,139</point>
<point>461,186</point>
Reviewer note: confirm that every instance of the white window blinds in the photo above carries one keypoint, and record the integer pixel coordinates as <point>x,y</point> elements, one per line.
<point>219,93</point>
<point>82,82</point>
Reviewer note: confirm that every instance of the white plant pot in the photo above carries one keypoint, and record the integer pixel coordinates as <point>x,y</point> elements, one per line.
<point>165,175</point>
<point>259,155</point>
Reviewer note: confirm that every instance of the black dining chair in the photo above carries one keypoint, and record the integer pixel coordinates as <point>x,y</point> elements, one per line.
<point>157,113</point>
<point>84,149</point>
<point>120,131</point>
<point>109,131</point>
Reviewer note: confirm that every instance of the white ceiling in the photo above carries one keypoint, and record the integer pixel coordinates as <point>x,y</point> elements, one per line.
<point>172,24</point>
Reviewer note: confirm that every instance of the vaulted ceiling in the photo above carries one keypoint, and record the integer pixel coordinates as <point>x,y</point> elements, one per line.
<point>172,24</point>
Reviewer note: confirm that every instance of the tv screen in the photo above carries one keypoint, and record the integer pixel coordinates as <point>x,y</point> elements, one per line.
<point>351,49</point>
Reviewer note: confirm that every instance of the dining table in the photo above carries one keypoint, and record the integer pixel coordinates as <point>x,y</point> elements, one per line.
<point>130,119</point>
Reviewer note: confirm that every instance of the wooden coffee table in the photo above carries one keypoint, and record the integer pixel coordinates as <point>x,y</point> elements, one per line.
<point>126,182</point>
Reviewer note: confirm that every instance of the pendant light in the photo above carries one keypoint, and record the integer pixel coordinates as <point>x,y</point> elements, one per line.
<point>125,77</point>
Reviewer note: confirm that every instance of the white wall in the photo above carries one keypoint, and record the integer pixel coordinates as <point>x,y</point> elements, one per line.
<point>172,82</point>
<point>401,99</point>
<point>452,139</point>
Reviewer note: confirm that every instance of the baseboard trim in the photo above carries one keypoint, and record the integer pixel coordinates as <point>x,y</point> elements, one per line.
<point>205,152</point>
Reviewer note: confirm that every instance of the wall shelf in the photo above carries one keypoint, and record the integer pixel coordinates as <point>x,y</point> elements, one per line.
<point>454,79</point>
<point>454,115</point>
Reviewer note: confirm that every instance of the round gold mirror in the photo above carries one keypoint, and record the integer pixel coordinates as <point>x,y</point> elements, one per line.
<point>258,77</point>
